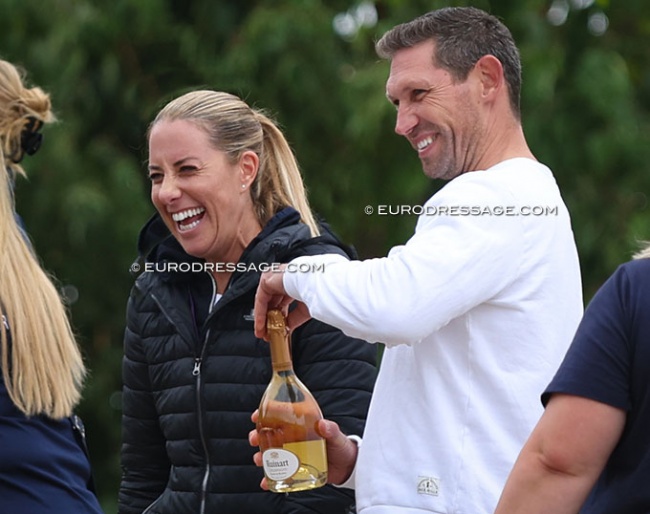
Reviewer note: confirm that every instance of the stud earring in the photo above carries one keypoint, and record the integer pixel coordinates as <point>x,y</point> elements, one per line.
<point>243,186</point>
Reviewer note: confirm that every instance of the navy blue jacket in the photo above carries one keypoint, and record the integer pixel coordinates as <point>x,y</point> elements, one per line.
<point>193,378</point>
<point>609,362</point>
<point>43,465</point>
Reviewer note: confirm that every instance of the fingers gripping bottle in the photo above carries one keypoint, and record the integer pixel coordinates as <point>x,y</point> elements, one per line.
<point>293,454</point>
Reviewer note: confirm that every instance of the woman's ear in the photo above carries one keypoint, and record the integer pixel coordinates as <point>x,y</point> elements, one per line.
<point>249,164</point>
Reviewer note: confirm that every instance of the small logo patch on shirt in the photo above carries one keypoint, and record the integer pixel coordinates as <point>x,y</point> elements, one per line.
<point>428,485</point>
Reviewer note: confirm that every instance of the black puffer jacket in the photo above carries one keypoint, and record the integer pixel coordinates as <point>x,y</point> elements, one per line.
<point>193,378</point>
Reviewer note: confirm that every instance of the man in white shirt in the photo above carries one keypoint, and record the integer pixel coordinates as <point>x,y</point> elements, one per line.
<point>478,307</point>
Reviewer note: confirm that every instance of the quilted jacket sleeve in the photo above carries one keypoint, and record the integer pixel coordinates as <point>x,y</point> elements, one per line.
<point>145,466</point>
<point>340,372</point>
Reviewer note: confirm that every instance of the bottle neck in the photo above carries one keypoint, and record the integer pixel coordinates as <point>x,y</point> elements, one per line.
<point>280,353</point>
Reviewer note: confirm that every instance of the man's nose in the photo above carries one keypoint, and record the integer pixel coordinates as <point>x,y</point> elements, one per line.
<point>406,120</point>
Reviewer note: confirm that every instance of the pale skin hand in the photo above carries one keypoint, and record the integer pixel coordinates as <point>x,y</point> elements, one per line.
<point>563,458</point>
<point>341,451</point>
<point>272,295</point>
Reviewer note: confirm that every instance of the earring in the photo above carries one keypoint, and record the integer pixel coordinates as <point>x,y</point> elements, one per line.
<point>243,186</point>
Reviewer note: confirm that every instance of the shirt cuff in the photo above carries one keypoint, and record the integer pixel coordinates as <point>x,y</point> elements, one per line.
<point>294,277</point>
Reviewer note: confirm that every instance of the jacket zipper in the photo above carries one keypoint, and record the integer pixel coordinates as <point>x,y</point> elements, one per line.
<point>151,506</point>
<point>196,372</point>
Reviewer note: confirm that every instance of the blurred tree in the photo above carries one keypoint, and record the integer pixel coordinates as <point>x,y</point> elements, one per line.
<point>110,65</point>
<point>586,114</point>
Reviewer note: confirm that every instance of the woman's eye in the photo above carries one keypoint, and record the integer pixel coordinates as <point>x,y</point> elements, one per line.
<point>155,177</point>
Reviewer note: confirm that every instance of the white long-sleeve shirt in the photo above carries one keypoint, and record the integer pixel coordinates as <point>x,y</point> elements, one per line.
<point>476,310</point>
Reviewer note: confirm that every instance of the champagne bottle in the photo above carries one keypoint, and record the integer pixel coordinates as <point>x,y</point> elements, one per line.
<point>293,453</point>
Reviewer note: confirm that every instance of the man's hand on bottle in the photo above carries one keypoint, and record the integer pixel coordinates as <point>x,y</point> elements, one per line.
<point>272,295</point>
<point>341,451</point>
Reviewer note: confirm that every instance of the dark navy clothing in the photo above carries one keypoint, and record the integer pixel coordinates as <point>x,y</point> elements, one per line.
<point>43,468</point>
<point>609,361</point>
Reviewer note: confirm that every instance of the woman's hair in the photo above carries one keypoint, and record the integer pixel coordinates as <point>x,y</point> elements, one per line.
<point>462,35</point>
<point>233,127</point>
<point>643,253</point>
<point>42,367</point>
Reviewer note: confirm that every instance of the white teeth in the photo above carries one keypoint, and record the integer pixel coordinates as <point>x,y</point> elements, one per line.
<point>180,216</point>
<point>189,226</point>
<point>424,143</point>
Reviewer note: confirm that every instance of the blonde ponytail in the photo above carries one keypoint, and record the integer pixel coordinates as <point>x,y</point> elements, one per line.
<point>42,367</point>
<point>280,183</point>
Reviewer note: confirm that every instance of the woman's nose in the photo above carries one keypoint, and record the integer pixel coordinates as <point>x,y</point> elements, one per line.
<point>168,190</point>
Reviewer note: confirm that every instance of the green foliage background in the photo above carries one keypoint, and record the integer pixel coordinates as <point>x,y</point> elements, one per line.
<point>109,65</point>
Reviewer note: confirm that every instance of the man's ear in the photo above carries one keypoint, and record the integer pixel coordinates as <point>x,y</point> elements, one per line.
<point>249,164</point>
<point>490,74</point>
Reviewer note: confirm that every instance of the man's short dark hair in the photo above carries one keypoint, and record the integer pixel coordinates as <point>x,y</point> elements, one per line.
<point>462,35</point>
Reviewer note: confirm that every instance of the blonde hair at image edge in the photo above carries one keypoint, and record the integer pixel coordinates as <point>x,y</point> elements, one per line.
<point>233,128</point>
<point>42,369</point>
<point>644,252</point>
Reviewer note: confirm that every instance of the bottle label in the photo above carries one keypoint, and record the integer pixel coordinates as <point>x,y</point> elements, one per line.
<point>279,464</point>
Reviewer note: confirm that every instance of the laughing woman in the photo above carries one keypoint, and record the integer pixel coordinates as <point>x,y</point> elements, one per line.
<point>230,202</point>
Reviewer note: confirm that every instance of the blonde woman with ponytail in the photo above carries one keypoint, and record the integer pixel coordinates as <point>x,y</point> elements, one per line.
<point>43,466</point>
<point>230,203</point>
